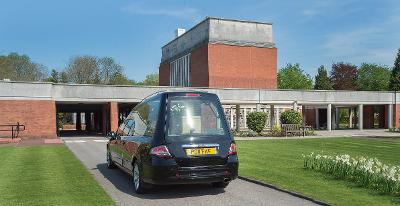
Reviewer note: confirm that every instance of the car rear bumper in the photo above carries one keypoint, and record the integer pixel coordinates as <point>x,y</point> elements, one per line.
<point>166,175</point>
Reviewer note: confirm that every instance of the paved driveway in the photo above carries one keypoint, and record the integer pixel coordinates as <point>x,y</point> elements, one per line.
<point>91,151</point>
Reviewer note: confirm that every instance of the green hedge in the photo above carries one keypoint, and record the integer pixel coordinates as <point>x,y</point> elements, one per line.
<point>291,117</point>
<point>256,121</point>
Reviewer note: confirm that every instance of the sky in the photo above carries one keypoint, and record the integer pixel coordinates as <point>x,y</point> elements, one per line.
<point>308,32</point>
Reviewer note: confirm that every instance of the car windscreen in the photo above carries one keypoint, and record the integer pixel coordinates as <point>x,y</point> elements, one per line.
<point>195,116</point>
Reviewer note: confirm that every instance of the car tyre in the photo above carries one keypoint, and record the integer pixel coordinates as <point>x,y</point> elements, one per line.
<point>137,178</point>
<point>220,184</point>
<point>110,162</point>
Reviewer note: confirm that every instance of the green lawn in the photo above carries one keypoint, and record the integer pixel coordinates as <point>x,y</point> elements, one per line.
<point>280,163</point>
<point>46,175</point>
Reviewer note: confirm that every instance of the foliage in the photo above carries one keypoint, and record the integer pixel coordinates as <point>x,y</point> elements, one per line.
<point>291,117</point>
<point>245,133</point>
<point>322,81</point>
<point>63,77</point>
<point>20,68</point>
<point>394,84</point>
<point>344,116</point>
<point>279,162</point>
<point>54,76</point>
<point>292,77</point>
<point>368,172</point>
<point>373,77</point>
<point>150,80</point>
<point>276,130</point>
<point>256,121</point>
<point>344,76</point>
<point>94,70</point>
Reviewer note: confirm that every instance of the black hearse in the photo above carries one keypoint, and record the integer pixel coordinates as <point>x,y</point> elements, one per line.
<point>175,138</point>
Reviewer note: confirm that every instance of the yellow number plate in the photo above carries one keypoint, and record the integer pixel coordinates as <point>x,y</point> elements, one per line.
<point>201,151</point>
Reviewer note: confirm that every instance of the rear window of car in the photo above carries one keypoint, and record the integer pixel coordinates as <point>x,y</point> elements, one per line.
<point>195,115</point>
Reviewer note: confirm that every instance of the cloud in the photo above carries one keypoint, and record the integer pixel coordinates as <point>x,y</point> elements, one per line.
<point>371,44</point>
<point>327,7</point>
<point>140,9</point>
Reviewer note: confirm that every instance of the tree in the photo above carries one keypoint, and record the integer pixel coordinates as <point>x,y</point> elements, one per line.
<point>322,81</point>
<point>292,77</point>
<point>109,70</point>
<point>20,68</point>
<point>94,70</point>
<point>120,79</point>
<point>151,80</point>
<point>344,76</point>
<point>83,70</point>
<point>373,77</point>
<point>63,77</point>
<point>394,84</point>
<point>54,76</point>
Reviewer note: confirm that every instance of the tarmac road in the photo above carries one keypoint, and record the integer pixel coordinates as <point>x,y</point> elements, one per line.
<point>92,152</point>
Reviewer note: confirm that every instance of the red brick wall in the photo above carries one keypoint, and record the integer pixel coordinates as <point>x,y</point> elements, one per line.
<point>310,117</point>
<point>199,74</point>
<point>242,67</point>
<point>114,116</point>
<point>163,72</point>
<point>396,121</point>
<point>38,116</point>
<point>368,116</point>
<point>225,66</point>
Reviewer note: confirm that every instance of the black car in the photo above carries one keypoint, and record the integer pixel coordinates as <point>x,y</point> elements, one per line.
<point>175,138</point>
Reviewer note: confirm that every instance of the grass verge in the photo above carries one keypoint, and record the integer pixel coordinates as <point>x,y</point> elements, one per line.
<point>46,175</point>
<point>279,162</point>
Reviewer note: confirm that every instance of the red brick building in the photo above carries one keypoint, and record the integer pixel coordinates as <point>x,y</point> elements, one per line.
<point>221,53</point>
<point>235,59</point>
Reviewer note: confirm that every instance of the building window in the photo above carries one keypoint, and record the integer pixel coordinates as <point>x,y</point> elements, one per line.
<point>180,72</point>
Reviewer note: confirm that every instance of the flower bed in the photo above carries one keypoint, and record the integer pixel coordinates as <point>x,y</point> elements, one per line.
<point>368,172</point>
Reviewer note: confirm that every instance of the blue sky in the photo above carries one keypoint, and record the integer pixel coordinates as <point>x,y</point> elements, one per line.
<point>311,32</point>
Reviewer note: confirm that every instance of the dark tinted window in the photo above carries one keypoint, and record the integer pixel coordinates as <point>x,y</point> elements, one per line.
<point>195,116</point>
<point>145,116</point>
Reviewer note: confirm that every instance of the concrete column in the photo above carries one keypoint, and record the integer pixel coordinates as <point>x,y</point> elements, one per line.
<point>390,116</point>
<point>272,115</point>
<point>360,117</point>
<point>337,117</point>
<point>114,116</point>
<point>350,117</point>
<point>295,106</point>
<point>303,114</point>
<point>231,117</point>
<point>238,117</point>
<point>258,107</point>
<point>329,117</point>
<point>245,117</point>
<point>78,121</point>
<point>316,118</point>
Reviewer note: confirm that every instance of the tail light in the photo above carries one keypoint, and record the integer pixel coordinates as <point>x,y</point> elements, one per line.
<point>160,151</point>
<point>232,149</point>
<point>192,95</point>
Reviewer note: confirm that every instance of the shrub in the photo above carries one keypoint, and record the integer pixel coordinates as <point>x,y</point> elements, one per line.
<point>291,117</point>
<point>256,121</point>
<point>276,130</point>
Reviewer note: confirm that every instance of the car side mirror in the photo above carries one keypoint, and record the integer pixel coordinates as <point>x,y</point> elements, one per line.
<point>111,136</point>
